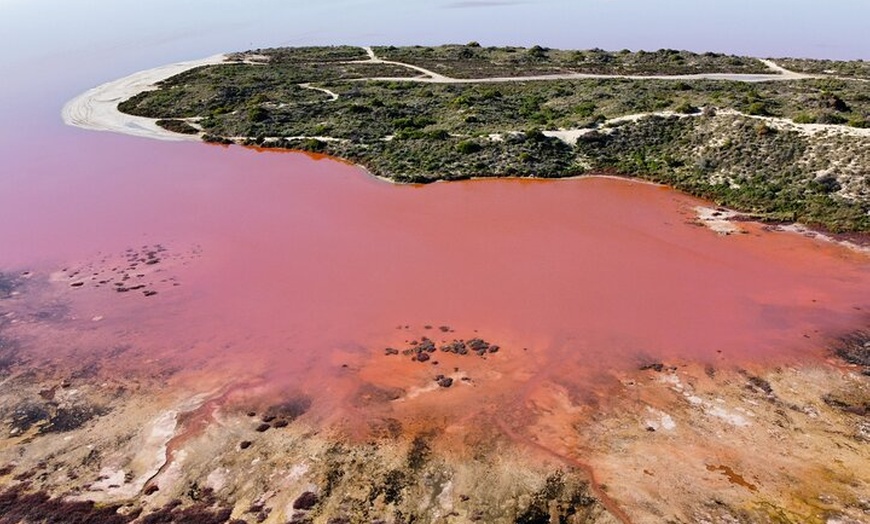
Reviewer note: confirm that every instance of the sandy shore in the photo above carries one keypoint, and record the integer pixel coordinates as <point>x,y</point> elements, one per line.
<point>97,108</point>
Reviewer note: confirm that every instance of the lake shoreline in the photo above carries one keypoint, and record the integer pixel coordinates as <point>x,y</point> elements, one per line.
<point>838,212</point>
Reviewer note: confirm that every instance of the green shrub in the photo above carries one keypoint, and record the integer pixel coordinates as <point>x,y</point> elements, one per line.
<point>687,109</point>
<point>831,118</point>
<point>757,109</point>
<point>177,126</point>
<point>467,147</point>
<point>313,145</point>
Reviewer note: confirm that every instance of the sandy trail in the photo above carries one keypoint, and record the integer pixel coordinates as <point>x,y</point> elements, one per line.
<point>735,77</point>
<point>332,94</point>
<point>432,75</point>
<point>777,73</point>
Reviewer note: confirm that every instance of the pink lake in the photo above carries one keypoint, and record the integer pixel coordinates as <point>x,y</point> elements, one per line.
<point>280,268</point>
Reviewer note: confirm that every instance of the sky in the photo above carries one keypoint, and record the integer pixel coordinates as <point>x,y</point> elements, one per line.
<point>55,49</point>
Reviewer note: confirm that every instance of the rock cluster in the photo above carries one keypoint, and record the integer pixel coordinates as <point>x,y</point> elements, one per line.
<point>422,350</point>
<point>137,269</point>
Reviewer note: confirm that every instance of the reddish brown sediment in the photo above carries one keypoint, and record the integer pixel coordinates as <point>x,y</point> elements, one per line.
<point>611,505</point>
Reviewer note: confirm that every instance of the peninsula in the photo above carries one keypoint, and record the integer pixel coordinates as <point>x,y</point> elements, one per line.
<point>780,140</point>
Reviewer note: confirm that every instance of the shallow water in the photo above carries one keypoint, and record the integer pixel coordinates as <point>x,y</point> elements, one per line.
<point>290,266</point>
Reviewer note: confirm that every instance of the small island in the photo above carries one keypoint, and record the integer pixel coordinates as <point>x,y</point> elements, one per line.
<point>778,144</point>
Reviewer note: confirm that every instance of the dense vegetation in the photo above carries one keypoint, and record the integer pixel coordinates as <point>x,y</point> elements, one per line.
<point>737,143</point>
<point>854,69</point>
<point>474,61</point>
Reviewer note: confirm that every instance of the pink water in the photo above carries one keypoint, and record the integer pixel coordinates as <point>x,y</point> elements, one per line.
<point>291,267</point>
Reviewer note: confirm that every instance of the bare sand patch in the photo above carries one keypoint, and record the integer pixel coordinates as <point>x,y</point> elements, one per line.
<point>97,109</point>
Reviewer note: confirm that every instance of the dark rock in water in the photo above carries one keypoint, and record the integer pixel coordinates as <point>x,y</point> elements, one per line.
<point>422,357</point>
<point>280,424</point>
<point>391,351</point>
<point>245,444</point>
<point>252,413</point>
<point>267,418</point>
<point>149,293</point>
<point>444,329</point>
<point>477,344</point>
<point>445,382</point>
<point>77,284</point>
<point>428,346</point>
<point>291,409</point>
<point>305,501</point>
<point>122,289</point>
<point>655,366</point>
<point>262,428</point>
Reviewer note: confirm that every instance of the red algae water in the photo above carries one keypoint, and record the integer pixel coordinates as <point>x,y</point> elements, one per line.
<point>287,271</point>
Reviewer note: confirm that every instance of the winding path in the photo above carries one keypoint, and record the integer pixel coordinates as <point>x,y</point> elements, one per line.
<point>778,73</point>
<point>332,94</point>
<point>97,108</point>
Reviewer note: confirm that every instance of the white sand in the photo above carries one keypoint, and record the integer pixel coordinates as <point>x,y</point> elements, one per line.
<point>97,108</point>
<point>719,220</point>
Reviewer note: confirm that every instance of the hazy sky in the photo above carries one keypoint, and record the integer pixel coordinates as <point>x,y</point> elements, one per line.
<point>834,29</point>
<point>54,49</point>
